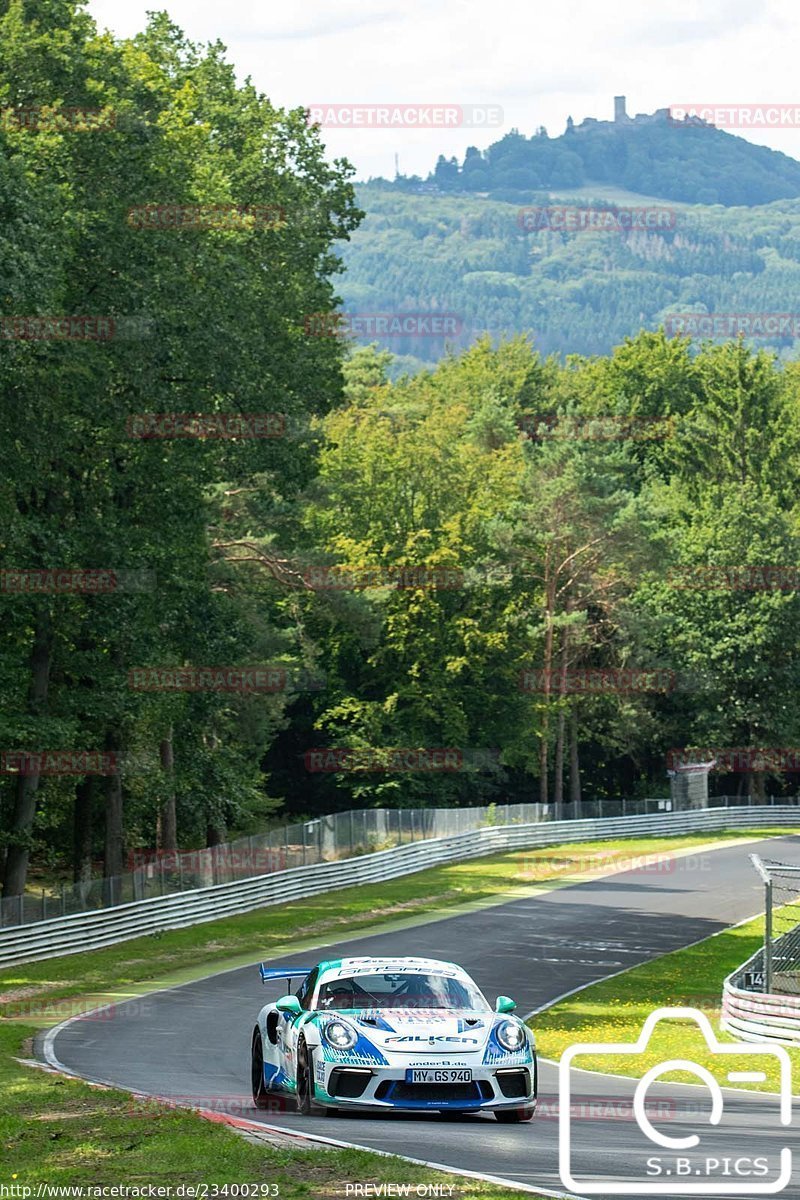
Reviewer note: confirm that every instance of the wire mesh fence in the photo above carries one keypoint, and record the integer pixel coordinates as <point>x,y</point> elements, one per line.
<point>776,969</point>
<point>324,839</point>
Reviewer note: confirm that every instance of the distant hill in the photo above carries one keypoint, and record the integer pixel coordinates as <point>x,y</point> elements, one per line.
<point>687,161</point>
<point>579,292</point>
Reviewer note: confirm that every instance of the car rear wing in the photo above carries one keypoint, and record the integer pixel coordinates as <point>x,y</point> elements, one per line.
<point>287,973</point>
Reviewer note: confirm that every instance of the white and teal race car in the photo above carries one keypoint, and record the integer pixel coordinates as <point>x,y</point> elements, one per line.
<point>410,1034</point>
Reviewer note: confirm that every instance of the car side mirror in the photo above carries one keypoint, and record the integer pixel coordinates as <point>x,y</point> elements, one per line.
<point>504,1004</point>
<point>288,1004</point>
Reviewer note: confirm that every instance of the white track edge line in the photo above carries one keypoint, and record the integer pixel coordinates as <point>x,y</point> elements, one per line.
<point>625,970</point>
<point>52,1059</point>
<point>258,1126</point>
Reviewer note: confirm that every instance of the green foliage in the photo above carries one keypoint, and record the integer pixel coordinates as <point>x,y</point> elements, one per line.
<point>580,292</point>
<point>571,499</point>
<point>206,320</point>
<point>683,162</point>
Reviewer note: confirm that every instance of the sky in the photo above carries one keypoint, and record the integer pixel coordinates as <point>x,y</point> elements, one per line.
<point>520,63</point>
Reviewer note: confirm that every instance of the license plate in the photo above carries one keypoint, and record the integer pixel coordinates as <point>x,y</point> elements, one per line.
<point>439,1075</point>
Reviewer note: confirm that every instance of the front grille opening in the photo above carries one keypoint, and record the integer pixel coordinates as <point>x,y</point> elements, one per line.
<point>514,1084</point>
<point>348,1083</point>
<point>436,1091</point>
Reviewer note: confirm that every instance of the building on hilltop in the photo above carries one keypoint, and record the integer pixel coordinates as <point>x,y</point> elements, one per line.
<point>660,116</point>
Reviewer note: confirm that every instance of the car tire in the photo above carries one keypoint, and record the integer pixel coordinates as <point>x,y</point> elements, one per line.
<point>260,1093</point>
<point>305,1079</point>
<point>512,1116</point>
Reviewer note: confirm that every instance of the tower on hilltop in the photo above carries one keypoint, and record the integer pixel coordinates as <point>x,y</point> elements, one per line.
<point>620,114</point>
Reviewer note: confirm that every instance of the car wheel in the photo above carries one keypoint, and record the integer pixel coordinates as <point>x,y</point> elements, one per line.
<point>305,1085</point>
<point>260,1093</point>
<point>512,1116</point>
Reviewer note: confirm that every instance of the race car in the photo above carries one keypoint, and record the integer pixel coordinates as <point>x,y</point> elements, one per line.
<point>410,1034</point>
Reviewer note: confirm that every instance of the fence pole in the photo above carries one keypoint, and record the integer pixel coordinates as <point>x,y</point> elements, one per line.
<point>768,940</point>
<point>63,900</point>
<point>44,905</point>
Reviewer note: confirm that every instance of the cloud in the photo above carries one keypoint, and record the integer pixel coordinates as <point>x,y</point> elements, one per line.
<point>295,26</point>
<point>538,62</point>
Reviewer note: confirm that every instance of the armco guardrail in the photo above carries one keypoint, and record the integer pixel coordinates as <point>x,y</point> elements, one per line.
<point>759,1016</point>
<point>327,838</point>
<point>105,927</point>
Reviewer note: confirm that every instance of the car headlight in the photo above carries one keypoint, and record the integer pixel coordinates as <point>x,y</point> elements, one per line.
<point>339,1035</point>
<point>510,1035</point>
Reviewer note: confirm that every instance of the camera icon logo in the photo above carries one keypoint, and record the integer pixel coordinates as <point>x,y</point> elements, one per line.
<point>684,1165</point>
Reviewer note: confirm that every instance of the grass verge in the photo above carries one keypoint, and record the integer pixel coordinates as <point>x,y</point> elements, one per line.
<point>61,1131</point>
<point>615,1011</point>
<point>170,956</point>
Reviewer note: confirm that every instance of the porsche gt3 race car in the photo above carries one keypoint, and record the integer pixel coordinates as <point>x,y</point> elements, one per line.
<point>412,1034</point>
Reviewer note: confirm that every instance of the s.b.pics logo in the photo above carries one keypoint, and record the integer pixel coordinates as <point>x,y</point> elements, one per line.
<point>702,1153</point>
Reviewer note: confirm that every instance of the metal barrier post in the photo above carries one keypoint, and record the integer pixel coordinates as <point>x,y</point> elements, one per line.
<point>766,878</point>
<point>768,942</point>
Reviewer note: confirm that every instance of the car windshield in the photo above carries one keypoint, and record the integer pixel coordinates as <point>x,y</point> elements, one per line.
<point>401,990</point>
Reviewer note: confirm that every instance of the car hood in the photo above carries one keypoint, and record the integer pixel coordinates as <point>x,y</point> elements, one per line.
<point>421,1030</point>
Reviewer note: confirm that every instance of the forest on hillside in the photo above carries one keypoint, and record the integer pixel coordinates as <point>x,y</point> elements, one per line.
<point>682,161</point>
<point>498,270</point>
<point>244,573</point>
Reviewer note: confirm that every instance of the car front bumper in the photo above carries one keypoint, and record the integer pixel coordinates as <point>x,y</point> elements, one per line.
<point>491,1088</point>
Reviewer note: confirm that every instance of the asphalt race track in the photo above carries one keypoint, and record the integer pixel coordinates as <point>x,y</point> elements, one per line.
<point>192,1043</point>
